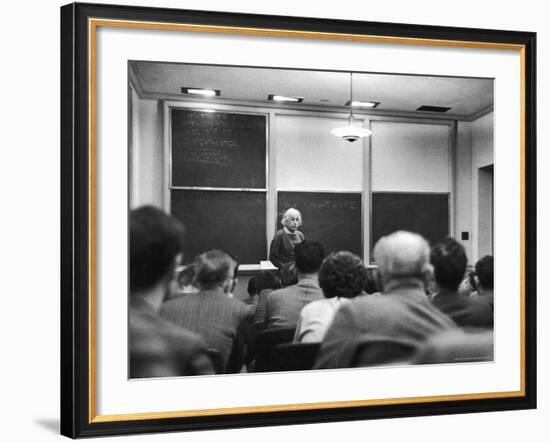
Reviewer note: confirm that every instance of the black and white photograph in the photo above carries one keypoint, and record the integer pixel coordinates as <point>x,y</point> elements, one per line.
<point>275,221</point>
<point>290,219</point>
<point>278,221</point>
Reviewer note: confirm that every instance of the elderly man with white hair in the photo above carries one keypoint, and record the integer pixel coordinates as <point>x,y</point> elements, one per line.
<point>378,330</point>
<point>281,250</point>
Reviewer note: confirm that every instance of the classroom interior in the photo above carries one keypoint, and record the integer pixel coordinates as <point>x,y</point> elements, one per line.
<point>430,167</point>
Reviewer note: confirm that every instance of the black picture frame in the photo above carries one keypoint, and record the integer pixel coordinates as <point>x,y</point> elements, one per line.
<point>77,250</point>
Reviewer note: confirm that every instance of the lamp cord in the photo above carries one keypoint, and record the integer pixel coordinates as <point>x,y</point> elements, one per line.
<point>351,98</point>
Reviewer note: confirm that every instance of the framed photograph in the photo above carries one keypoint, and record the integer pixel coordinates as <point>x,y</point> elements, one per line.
<point>229,182</point>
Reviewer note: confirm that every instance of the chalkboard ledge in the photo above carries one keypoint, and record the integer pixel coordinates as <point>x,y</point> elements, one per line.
<point>248,269</point>
<point>254,268</point>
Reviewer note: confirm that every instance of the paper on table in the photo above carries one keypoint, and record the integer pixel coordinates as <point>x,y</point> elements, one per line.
<point>267,265</point>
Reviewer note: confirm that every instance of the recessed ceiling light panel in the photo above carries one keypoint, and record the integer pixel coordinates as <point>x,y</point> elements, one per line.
<point>200,91</point>
<point>363,104</point>
<point>285,99</point>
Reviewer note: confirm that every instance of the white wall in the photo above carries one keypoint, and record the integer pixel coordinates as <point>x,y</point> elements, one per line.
<point>410,157</point>
<point>309,157</point>
<point>147,154</point>
<point>485,212</point>
<point>482,140</point>
<point>463,186</point>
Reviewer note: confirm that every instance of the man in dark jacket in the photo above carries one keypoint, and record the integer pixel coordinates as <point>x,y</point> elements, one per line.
<point>449,261</point>
<point>156,346</point>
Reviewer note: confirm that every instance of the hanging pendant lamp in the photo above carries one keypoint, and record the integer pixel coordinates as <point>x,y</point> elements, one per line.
<point>350,132</point>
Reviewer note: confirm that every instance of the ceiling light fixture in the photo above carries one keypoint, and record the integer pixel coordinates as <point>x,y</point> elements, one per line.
<point>200,91</point>
<point>350,132</point>
<point>285,99</point>
<point>365,104</point>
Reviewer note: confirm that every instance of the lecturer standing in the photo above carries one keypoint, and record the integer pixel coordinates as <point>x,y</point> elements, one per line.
<point>282,246</point>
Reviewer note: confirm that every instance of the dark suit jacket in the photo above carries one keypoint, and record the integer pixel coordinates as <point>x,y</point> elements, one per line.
<point>487,297</point>
<point>261,307</point>
<point>403,312</point>
<point>465,311</point>
<point>284,305</point>
<point>281,249</point>
<point>160,348</point>
<point>217,318</point>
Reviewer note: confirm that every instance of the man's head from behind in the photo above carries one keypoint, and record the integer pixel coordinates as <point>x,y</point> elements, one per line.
<point>449,261</point>
<point>309,255</point>
<point>267,279</point>
<point>343,275</point>
<point>402,255</point>
<point>215,269</point>
<point>485,273</point>
<point>155,248</point>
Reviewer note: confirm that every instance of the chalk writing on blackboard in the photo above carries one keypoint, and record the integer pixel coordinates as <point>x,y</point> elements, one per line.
<point>218,149</point>
<point>207,156</point>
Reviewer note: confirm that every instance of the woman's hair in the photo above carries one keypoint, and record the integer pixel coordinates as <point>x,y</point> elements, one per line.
<point>342,274</point>
<point>290,212</point>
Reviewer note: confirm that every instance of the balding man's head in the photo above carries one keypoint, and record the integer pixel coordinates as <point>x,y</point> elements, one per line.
<point>402,255</point>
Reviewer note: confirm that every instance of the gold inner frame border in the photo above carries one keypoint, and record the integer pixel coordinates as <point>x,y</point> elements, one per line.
<point>93,24</point>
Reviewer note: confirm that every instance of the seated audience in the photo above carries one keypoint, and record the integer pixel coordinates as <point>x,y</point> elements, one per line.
<point>158,347</point>
<point>342,276</point>
<point>449,261</point>
<point>484,280</point>
<point>284,305</point>
<point>402,312</point>
<point>211,313</point>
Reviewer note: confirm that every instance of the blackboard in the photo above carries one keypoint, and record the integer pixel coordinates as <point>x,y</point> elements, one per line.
<point>334,219</point>
<point>218,149</point>
<point>232,221</point>
<point>423,213</point>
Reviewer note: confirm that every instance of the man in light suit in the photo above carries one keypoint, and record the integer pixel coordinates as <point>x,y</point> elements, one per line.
<point>218,318</point>
<point>157,347</point>
<point>284,305</point>
<point>402,315</point>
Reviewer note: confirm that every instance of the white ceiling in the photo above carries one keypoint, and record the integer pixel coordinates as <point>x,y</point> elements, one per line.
<point>321,89</point>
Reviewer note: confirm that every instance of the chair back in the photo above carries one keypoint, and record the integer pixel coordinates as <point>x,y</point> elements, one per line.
<point>252,333</point>
<point>294,356</point>
<point>266,341</point>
